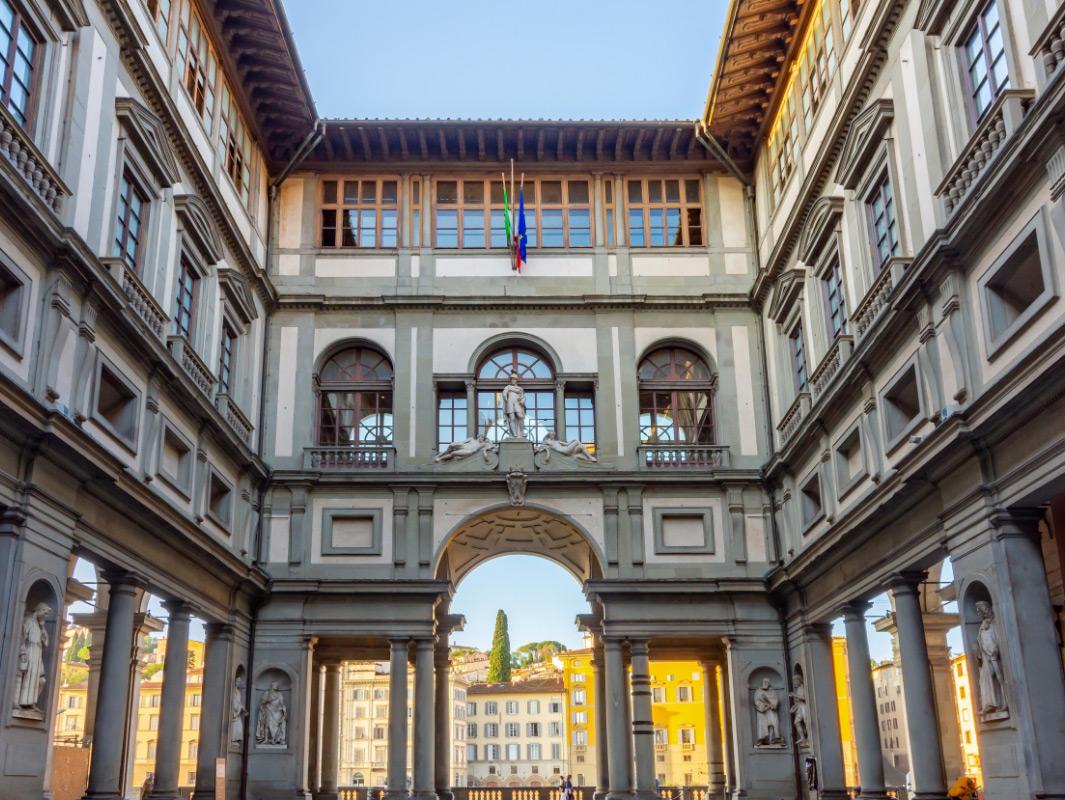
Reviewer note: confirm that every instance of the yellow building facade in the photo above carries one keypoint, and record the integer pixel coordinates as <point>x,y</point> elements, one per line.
<point>678,713</point>
<point>846,714</point>
<point>963,702</point>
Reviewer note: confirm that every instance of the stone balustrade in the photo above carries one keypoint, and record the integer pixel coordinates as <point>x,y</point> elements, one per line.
<point>795,414</point>
<point>348,458</point>
<point>999,123</point>
<point>19,151</point>
<point>191,363</point>
<point>140,299</point>
<point>682,456</point>
<point>830,365</point>
<point>234,417</point>
<point>877,296</point>
<point>1049,48</point>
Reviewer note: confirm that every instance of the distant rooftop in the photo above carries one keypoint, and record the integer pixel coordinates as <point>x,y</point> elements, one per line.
<point>536,685</point>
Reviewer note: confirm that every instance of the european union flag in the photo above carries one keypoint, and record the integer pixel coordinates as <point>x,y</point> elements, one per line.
<point>522,237</point>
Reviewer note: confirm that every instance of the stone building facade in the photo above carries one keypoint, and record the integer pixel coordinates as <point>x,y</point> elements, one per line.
<point>773,364</point>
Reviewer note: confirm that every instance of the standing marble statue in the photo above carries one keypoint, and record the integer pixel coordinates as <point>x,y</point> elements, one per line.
<point>798,709</point>
<point>272,727</point>
<point>513,397</point>
<point>237,712</point>
<point>767,707</point>
<point>30,675</point>
<point>988,658</point>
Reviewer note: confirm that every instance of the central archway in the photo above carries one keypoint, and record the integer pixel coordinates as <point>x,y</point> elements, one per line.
<point>508,530</point>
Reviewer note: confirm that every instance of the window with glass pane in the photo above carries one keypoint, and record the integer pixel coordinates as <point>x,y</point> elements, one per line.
<point>18,50</point>
<point>360,212</point>
<point>985,54</point>
<point>197,63</point>
<point>184,298</point>
<point>235,145</point>
<point>355,402</point>
<point>226,353</point>
<point>129,222</point>
<point>835,301</point>
<point>676,398</point>
<point>451,419</point>
<point>580,419</point>
<point>416,213</point>
<point>885,229</point>
<point>797,345</point>
<point>536,377</point>
<point>608,203</point>
<point>160,11</point>
<point>665,212</point>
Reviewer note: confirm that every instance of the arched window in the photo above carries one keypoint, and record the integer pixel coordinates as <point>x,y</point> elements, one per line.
<point>535,375</point>
<point>355,399</point>
<point>676,398</point>
<point>357,779</point>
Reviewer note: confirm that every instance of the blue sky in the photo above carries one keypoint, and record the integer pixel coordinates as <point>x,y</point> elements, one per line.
<point>474,58</point>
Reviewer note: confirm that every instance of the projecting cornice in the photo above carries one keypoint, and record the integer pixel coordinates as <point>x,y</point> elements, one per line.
<point>70,13</point>
<point>822,220</point>
<point>238,294</point>
<point>864,137</point>
<point>146,131</point>
<point>932,15</point>
<point>195,218</point>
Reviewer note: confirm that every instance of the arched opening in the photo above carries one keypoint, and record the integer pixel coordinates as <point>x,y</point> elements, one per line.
<point>354,386</point>
<point>537,376</point>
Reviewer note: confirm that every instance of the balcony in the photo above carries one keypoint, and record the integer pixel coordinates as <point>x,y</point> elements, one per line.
<point>830,365</point>
<point>795,414</point>
<point>680,456</point>
<point>345,459</point>
<point>21,155</point>
<point>234,417</point>
<point>877,296</point>
<point>191,363</point>
<point>1049,49</point>
<point>999,123</point>
<point>140,299</point>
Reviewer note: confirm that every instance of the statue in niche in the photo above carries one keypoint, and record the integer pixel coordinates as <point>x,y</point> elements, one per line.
<point>272,727</point>
<point>810,768</point>
<point>988,659</point>
<point>513,397</point>
<point>574,448</point>
<point>767,708</point>
<point>237,712</point>
<point>30,673</point>
<point>516,483</point>
<point>799,711</point>
<point>457,451</point>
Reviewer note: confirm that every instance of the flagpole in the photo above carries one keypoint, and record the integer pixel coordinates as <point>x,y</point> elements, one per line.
<point>511,192</point>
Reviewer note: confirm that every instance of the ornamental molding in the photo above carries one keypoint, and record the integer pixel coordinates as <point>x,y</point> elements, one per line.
<point>147,133</point>
<point>866,134</point>
<point>194,217</point>
<point>70,13</point>
<point>238,294</point>
<point>932,16</point>
<point>786,292</point>
<point>821,222</point>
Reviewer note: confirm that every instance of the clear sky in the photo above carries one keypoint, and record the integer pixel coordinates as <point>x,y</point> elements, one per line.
<point>560,59</point>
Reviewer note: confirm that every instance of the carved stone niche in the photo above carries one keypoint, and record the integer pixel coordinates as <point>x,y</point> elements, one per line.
<point>36,643</point>
<point>271,709</point>
<point>768,703</point>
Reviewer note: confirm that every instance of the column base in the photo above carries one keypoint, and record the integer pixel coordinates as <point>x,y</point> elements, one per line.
<point>619,795</point>
<point>328,794</point>
<point>104,796</point>
<point>423,794</point>
<point>445,794</point>
<point>394,794</point>
<point>163,794</point>
<point>940,795</point>
<point>599,794</point>
<point>872,794</point>
<point>832,794</point>
<point>645,794</point>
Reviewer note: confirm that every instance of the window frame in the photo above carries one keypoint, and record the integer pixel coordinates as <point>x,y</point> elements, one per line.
<point>891,443</point>
<point>13,336</point>
<point>975,26</point>
<point>831,265</point>
<point>646,206</point>
<point>186,266</point>
<point>225,520</point>
<point>341,207</point>
<point>180,57</point>
<point>676,386</point>
<point>182,484</point>
<point>156,16</point>
<point>137,188</point>
<point>129,442</point>
<point>23,19</point>
<point>531,385</point>
<point>845,482</point>
<point>358,387</point>
<point>883,175</point>
<point>228,366</point>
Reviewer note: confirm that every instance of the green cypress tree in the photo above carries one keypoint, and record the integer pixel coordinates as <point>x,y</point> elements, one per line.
<point>499,659</point>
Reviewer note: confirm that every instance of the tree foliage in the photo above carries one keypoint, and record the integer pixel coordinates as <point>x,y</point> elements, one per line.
<point>537,652</point>
<point>499,660</point>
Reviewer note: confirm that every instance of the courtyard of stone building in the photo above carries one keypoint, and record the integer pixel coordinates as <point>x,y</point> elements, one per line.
<point>776,388</point>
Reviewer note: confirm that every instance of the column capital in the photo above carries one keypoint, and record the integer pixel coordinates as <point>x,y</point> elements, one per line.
<point>821,628</point>
<point>855,610</point>
<point>424,644</point>
<point>219,630</point>
<point>638,647</point>
<point>331,664</point>
<point>1016,522</point>
<point>177,609</point>
<point>120,581</point>
<point>906,582</point>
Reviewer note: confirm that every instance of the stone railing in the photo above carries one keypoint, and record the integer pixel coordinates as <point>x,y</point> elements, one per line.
<point>877,296</point>
<point>348,458</point>
<point>682,456</point>
<point>795,414</point>
<point>140,299</point>
<point>18,149</point>
<point>191,363</point>
<point>519,792</point>
<point>1049,48</point>
<point>998,124</point>
<point>835,358</point>
<point>234,417</point>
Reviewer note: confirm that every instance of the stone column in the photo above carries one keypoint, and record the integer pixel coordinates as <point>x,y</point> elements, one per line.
<point>643,727</point>
<point>330,731</point>
<point>617,735</point>
<point>602,759</point>
<point>424,729</point>
<point>926,755</point>
<point>730,730</point>
<point>314,731</point>
<point>863,702</point>
<point>442,719</point>
<point>397,720</point>
<point>213,711</point>
<point>106,766</point>
<point>715,754</point>
<point>172,710</point>
<point>822,704</point>
<point>936,626</point>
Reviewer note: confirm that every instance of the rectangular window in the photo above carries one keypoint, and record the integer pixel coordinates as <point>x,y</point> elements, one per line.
<point>491,752</point>
<point>226,351</point>
<point>160,11</point>
<point>608,205</point>
<point>130,219</point>
<point>533,707</point>
<point>532,729</point>
<point>14,297</point>
<point>512,706</point>
<point>234,143</point>
<point>355,418</point>
<point>580,717</point>
<point>554,729</point>
<point>360,213</point>
<point>535,752</point>
<point>491,730</point>
<point>512,730</point>
<point>18,50</point>
<point>578,697</point>
<point>580,425</point>
<point>117,404</point>
<point>885,228</point>
<point>451,420</point>
<point>835,302</point>
<point>513,752</point>
<point>471,730</point>
<point>580,737</point>
<point>810,500</point>
<point>665,212</point>
<point>686,736</point>
<point>184,297</point>
<point>197,63</point>
<point>556,751</point>
<point>985,60</point>
<point>471,752</point>
<point>220,500</point>
<point>797,345</point>
<point>471,709</point>
<point>684,694</point>
<point>658,694</point>
<point>661,736</point>
<point>491,707</point>
<point>415,212</point>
